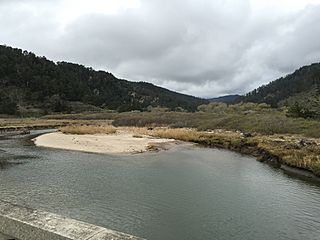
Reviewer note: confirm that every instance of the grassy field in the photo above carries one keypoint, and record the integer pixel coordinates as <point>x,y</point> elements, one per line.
<point>267,122</point>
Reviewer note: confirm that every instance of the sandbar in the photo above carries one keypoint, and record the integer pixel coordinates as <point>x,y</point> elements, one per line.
<point>119,143</point>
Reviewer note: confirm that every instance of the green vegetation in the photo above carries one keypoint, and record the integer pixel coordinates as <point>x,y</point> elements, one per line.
<point>299,91</point>
<point>245,117</point>
<point>35,86</point>
<point>7,106</point>
<point>306,105</point>
<point>31,82</point>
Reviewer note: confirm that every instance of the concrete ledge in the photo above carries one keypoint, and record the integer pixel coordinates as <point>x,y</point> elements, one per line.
<point>6,237</point>
<point>25,224</point>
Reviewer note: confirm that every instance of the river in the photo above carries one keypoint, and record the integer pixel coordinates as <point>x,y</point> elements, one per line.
<point>184,194</point>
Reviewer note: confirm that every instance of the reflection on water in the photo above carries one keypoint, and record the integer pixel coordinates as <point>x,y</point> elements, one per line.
<point>178,195</point>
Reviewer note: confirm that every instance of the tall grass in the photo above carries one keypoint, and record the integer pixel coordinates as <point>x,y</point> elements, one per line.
<point>88,129</point>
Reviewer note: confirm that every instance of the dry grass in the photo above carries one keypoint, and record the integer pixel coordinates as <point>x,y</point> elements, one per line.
<point>135,130</point>
<point>294,151</point>
<point>32,123</point>
<point>183,134</point>
<point>213,138</point>
<point>8,123</point>
<point>88,129</point>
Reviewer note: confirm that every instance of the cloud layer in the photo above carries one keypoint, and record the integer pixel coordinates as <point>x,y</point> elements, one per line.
<point>200,47</point>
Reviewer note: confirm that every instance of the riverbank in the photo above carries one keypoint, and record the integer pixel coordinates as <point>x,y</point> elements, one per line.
<point>121,191</point>
<point>121,142</point>
<point>299,151</point>
<point>279,149</point>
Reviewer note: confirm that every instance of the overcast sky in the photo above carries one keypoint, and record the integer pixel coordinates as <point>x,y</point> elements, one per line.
<point>205,48</point>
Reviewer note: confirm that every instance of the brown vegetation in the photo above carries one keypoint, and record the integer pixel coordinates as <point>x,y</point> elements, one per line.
<point>9,124</point>
<point>88,129</point>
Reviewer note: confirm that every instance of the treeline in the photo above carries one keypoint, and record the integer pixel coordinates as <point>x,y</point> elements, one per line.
<point>299,92</point>
<point>26,79</point>
<point>302,80</point>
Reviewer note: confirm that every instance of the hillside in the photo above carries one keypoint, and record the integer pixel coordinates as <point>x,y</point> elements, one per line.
<point>31,82</point>
<point>301,81</point>
<point>225,99</point>
<point>299,91</point>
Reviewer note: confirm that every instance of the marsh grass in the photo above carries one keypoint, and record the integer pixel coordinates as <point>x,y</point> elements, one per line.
<point>33,123</point>
<point>265,121</point>
<point>88,129</point>
<point>272,122</point>
<point>293,151</point>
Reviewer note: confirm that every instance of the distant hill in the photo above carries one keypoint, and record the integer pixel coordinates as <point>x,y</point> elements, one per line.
<point>29,81</point>
<point>301,81</point>
<point>300,91</point>
<point>225,99</point>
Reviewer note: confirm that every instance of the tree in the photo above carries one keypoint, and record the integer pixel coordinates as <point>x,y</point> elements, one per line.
<point>7,106</point>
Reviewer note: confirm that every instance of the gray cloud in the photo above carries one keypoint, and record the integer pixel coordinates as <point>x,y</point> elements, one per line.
<point>204,48</point>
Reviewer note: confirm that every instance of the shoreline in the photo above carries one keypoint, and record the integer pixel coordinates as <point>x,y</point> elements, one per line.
<point>265,157</point>
<point>293,151</point>
<point>228,140</point>
<point>299,172</point>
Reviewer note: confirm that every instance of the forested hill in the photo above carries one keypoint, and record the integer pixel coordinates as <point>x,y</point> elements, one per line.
<point>27,80</point>
<point>301,86</point>
<point>225,99</point>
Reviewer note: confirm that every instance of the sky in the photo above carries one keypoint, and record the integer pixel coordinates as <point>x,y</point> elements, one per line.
<point>205,48</point>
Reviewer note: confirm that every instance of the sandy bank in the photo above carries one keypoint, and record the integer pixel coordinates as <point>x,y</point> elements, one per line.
<point>119,143</point>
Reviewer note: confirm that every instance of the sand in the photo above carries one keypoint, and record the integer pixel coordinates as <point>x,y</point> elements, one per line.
<point>119,143</point>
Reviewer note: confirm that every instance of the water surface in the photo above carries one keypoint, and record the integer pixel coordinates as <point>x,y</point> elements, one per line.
<point>185,194</point>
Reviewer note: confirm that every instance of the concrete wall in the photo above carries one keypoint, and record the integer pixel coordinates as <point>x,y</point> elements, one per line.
<point>28,224</point>
<point>5,237</point>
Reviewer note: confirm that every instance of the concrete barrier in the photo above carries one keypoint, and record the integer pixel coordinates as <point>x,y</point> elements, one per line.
<point>20,223</point>
<point>5,237</point>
